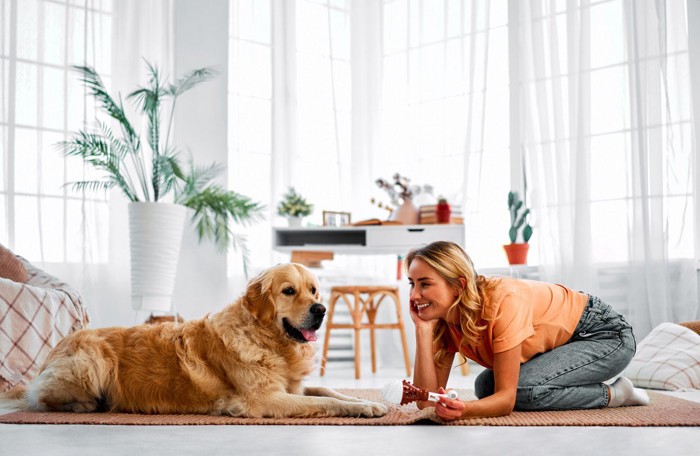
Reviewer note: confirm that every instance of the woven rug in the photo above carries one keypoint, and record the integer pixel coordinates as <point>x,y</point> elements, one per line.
<point>662,411</point>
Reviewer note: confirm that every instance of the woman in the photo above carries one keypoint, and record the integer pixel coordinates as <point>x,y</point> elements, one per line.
<point>545,347</point>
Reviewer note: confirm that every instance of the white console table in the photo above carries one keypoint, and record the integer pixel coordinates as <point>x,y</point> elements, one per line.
<point>373,239</point>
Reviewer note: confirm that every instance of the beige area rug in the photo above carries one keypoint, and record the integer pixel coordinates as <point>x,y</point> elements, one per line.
<point>662,411</point>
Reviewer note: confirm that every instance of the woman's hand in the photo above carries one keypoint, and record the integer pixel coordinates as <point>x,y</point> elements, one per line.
<point>429,325</point>
<point>449,409</point>
<point>506,369</point>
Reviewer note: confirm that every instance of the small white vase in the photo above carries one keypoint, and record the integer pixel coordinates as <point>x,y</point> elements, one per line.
<point>156,231</point>
<point>407,213</point>
<point>294,222</point>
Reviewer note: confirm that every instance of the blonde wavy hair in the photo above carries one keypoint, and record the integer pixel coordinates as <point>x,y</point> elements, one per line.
<point>453,263</point>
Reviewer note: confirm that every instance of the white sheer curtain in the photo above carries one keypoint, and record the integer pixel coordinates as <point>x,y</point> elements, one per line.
<point>144,30</point>
<point>663,279</point>
<point>445,113</point>
<point>444,116</point>
<point>359,90</point>
<point>554,79</point>
<point>290,108</point>
<point>607,147</point>
<point>41,102</point>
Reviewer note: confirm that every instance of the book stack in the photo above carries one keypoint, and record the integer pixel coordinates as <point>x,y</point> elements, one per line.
<point>427,215</point>
<point>375,221</point>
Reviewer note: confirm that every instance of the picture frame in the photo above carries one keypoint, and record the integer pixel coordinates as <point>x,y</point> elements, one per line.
<point>335,218</point>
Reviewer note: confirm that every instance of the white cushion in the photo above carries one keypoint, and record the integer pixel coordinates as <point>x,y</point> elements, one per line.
<point>667,359</point>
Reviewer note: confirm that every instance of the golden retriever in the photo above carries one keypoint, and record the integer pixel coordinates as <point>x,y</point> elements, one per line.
<point>249,360</point>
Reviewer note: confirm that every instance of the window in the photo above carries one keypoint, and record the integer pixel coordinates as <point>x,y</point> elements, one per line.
<point>448,81</point>
<point>323,103</point>
<point>627,82</point>
<point>40,40</point>
<point>289,85</point>
<point>250,114</point>
<point>446,109</point>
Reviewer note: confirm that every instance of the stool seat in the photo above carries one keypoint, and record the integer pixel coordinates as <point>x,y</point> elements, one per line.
<point>364,300</point>
<point>363,289</point>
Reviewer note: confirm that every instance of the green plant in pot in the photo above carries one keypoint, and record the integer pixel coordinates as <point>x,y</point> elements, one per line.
<point>520,229</point>
<point>294,207</point>
<point>162,190</point>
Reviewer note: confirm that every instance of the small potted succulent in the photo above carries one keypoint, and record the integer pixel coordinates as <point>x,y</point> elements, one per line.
<point>294,207</point>
<point>520,229</point>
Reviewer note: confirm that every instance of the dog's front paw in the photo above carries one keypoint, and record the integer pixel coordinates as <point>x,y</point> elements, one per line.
<point>374,409</point>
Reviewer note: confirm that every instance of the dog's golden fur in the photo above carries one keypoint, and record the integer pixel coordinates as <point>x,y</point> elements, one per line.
<point>247,360</point>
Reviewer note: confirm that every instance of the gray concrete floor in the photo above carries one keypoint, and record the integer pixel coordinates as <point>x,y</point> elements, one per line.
<point>73,440</point>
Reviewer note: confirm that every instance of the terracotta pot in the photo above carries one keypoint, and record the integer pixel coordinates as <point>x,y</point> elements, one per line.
<point>516,253</point>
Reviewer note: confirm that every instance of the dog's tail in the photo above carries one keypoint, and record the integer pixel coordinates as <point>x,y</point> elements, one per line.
<point>14,398</point>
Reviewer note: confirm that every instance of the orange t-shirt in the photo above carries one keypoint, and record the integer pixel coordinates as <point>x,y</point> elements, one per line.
<point>539,315</point>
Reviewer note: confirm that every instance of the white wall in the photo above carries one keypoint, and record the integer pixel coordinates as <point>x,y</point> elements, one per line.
<point>201,39</point>
<point>694,58</point>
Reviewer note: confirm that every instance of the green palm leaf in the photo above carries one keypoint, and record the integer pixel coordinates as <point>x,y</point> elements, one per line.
<point>149,100</point>
<point>215,208</point>
<point>92,186</point>
<point>94,84</point>
<point>170,172</point>
<point>190,80</point>
<point>95,150</point>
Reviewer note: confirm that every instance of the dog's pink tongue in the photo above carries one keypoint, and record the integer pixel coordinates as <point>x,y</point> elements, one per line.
<point>309,334</point>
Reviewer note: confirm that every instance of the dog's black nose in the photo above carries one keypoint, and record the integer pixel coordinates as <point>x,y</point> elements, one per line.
<point>318,309</point>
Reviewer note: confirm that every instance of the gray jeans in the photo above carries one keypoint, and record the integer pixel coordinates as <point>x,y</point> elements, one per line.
<point>571,376</point>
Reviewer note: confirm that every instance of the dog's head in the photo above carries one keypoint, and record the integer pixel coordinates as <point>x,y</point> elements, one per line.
<point>287,295</point>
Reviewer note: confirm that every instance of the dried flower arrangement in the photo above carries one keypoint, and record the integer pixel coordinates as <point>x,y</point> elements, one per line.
<point>400,189</point>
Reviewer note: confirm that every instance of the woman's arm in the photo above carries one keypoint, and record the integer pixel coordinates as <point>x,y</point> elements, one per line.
<point>506,370</point>
<point>426,373</point>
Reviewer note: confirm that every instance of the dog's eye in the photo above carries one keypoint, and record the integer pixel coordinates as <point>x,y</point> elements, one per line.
<point>288,291</point>
<point>313,290</point>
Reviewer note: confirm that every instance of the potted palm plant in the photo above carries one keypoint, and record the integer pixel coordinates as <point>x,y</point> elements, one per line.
<point>162,190</point>
<point>294,207</point>
<point>519,229</point>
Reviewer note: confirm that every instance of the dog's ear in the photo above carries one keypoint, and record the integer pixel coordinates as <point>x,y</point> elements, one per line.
<point>258,300</point>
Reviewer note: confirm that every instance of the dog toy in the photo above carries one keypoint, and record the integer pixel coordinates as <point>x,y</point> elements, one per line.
<point>403,392</point>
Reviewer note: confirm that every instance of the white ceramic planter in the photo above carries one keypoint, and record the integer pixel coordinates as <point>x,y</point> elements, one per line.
<point>156,231</point>
<point>294,221</point>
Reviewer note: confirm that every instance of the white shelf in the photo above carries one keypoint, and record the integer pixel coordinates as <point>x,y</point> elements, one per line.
<point>375,239</point>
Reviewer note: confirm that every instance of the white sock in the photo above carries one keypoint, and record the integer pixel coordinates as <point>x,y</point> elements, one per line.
<point>623,393</point>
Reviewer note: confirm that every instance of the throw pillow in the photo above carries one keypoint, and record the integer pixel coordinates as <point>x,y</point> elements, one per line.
<point>10,266</point>
<point>667,359</point>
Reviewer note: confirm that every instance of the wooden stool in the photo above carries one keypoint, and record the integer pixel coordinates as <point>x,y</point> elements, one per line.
<point>364,300</point>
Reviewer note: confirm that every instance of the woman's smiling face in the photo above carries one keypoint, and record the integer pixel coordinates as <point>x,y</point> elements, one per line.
<point>431,295</point>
